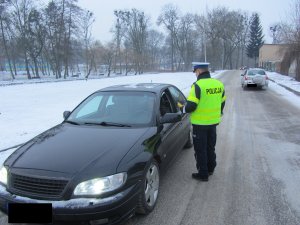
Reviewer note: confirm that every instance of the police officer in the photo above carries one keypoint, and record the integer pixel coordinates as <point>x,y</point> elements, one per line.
<point>205,103</point>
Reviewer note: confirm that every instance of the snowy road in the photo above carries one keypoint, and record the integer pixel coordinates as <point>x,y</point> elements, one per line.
<point>257,178</point>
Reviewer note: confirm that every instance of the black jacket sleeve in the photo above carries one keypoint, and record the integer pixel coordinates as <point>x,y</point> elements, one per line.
<point>190,107</point>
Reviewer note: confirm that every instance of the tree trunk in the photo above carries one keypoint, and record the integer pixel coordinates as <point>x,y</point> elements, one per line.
<point>14,65</point>
<point>172,53</point>
<point>36,67</point>
<point>6,51</point>
<point>238,58</point>
<point>298,68</point>
<point>27,65</point>
<point>242,63</point>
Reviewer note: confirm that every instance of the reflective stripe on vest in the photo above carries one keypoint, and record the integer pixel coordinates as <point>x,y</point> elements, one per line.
<point>208,111</point>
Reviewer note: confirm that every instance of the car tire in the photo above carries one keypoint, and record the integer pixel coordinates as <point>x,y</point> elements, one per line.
<point>149,189</point>
<point>189,142</point>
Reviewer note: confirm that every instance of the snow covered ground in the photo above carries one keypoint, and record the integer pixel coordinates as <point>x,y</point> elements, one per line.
<point>286,86</point>
<point>30,108</point>
<point>287,81</point>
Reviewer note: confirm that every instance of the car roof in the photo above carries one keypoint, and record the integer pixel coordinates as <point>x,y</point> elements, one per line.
<point>255,69</point>
<point>149,87</point>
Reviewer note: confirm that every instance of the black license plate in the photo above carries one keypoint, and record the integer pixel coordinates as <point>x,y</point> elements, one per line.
<point>29,213</point>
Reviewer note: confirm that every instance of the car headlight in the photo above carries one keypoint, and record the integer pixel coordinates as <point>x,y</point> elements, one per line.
<point>100,185</point>
<point>3,175</point>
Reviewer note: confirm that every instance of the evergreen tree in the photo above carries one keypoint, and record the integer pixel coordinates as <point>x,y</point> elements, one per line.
<point>255,38</point>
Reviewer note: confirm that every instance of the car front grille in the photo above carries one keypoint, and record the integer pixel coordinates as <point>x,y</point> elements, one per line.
<point>37,187</point>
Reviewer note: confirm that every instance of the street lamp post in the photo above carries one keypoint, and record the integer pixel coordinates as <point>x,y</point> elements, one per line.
<point>273,29</point>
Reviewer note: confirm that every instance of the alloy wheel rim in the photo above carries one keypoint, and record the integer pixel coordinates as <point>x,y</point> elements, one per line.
<point>152,185</point>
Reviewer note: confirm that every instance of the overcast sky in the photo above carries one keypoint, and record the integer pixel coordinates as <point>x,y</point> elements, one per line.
<point>270,11</point>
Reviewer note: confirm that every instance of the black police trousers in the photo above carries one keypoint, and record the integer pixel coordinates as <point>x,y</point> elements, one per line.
<point>205,138</point>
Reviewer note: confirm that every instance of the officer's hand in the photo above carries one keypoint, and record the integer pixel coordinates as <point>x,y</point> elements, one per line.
<point>180,106</point>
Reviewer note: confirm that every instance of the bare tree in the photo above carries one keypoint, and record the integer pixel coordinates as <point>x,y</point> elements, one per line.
<point>226,42</point>
<point>5,24</point>
<point>291,36</point>
<point>155,42</point>
<point>20,17</point>
<point>44,39</point>
<point>120,30</point>
<point>232,37</point>
<point>186,40</point>
<point>53,40</point>
<point>244,32</point>
<point>136,34</point>
<point>212,27</point>
<point>201,24</point>
<point>36,37</point>
<point>107,56</point>
<point>170,19</point>
<point>72,27</point>
<point>87,22</point>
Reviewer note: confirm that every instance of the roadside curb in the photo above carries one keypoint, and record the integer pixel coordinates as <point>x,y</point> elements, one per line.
<point>287,88</point>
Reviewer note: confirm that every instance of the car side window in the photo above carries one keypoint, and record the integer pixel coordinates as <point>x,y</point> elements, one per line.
<point>165,104</point>
<point>177,97</point>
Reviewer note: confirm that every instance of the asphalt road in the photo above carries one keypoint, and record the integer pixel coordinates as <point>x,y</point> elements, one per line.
<point>258,154</point>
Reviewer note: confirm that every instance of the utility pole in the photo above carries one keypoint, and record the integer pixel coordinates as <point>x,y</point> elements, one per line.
<point>206,10</point>
<point>274,30</point>
<point>118,26</point>
<point>204,47</point>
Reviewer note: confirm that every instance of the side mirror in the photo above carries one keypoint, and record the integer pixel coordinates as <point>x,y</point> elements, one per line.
<point>66,114</point>
<point>242,75</point>
<point>171,118</point>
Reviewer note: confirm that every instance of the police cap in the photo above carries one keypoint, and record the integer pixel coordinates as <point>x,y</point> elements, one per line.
<point>199,65</point>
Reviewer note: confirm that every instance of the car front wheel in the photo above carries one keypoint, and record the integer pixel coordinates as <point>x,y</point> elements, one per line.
<point>149,190</point>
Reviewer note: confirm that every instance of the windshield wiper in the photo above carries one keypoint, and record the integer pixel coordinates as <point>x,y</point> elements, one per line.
<point>108,124</point>
<point>72,122</point>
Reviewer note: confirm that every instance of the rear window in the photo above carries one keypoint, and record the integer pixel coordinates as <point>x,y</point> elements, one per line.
<point>255,72</point>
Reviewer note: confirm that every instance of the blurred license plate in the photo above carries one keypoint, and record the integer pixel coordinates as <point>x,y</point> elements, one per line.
<point>29,213</point>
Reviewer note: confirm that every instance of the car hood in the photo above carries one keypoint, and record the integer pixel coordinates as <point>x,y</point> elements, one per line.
<point>70,149</point>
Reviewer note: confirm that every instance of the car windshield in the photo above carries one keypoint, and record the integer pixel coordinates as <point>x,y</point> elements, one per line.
<point>256,72</point>
<point>122,109</point>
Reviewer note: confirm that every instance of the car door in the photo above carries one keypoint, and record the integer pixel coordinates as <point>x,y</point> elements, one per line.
<point>170,131</point>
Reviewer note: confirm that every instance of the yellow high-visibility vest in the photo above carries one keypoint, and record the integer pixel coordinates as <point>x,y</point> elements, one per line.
<point>208,111</point>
